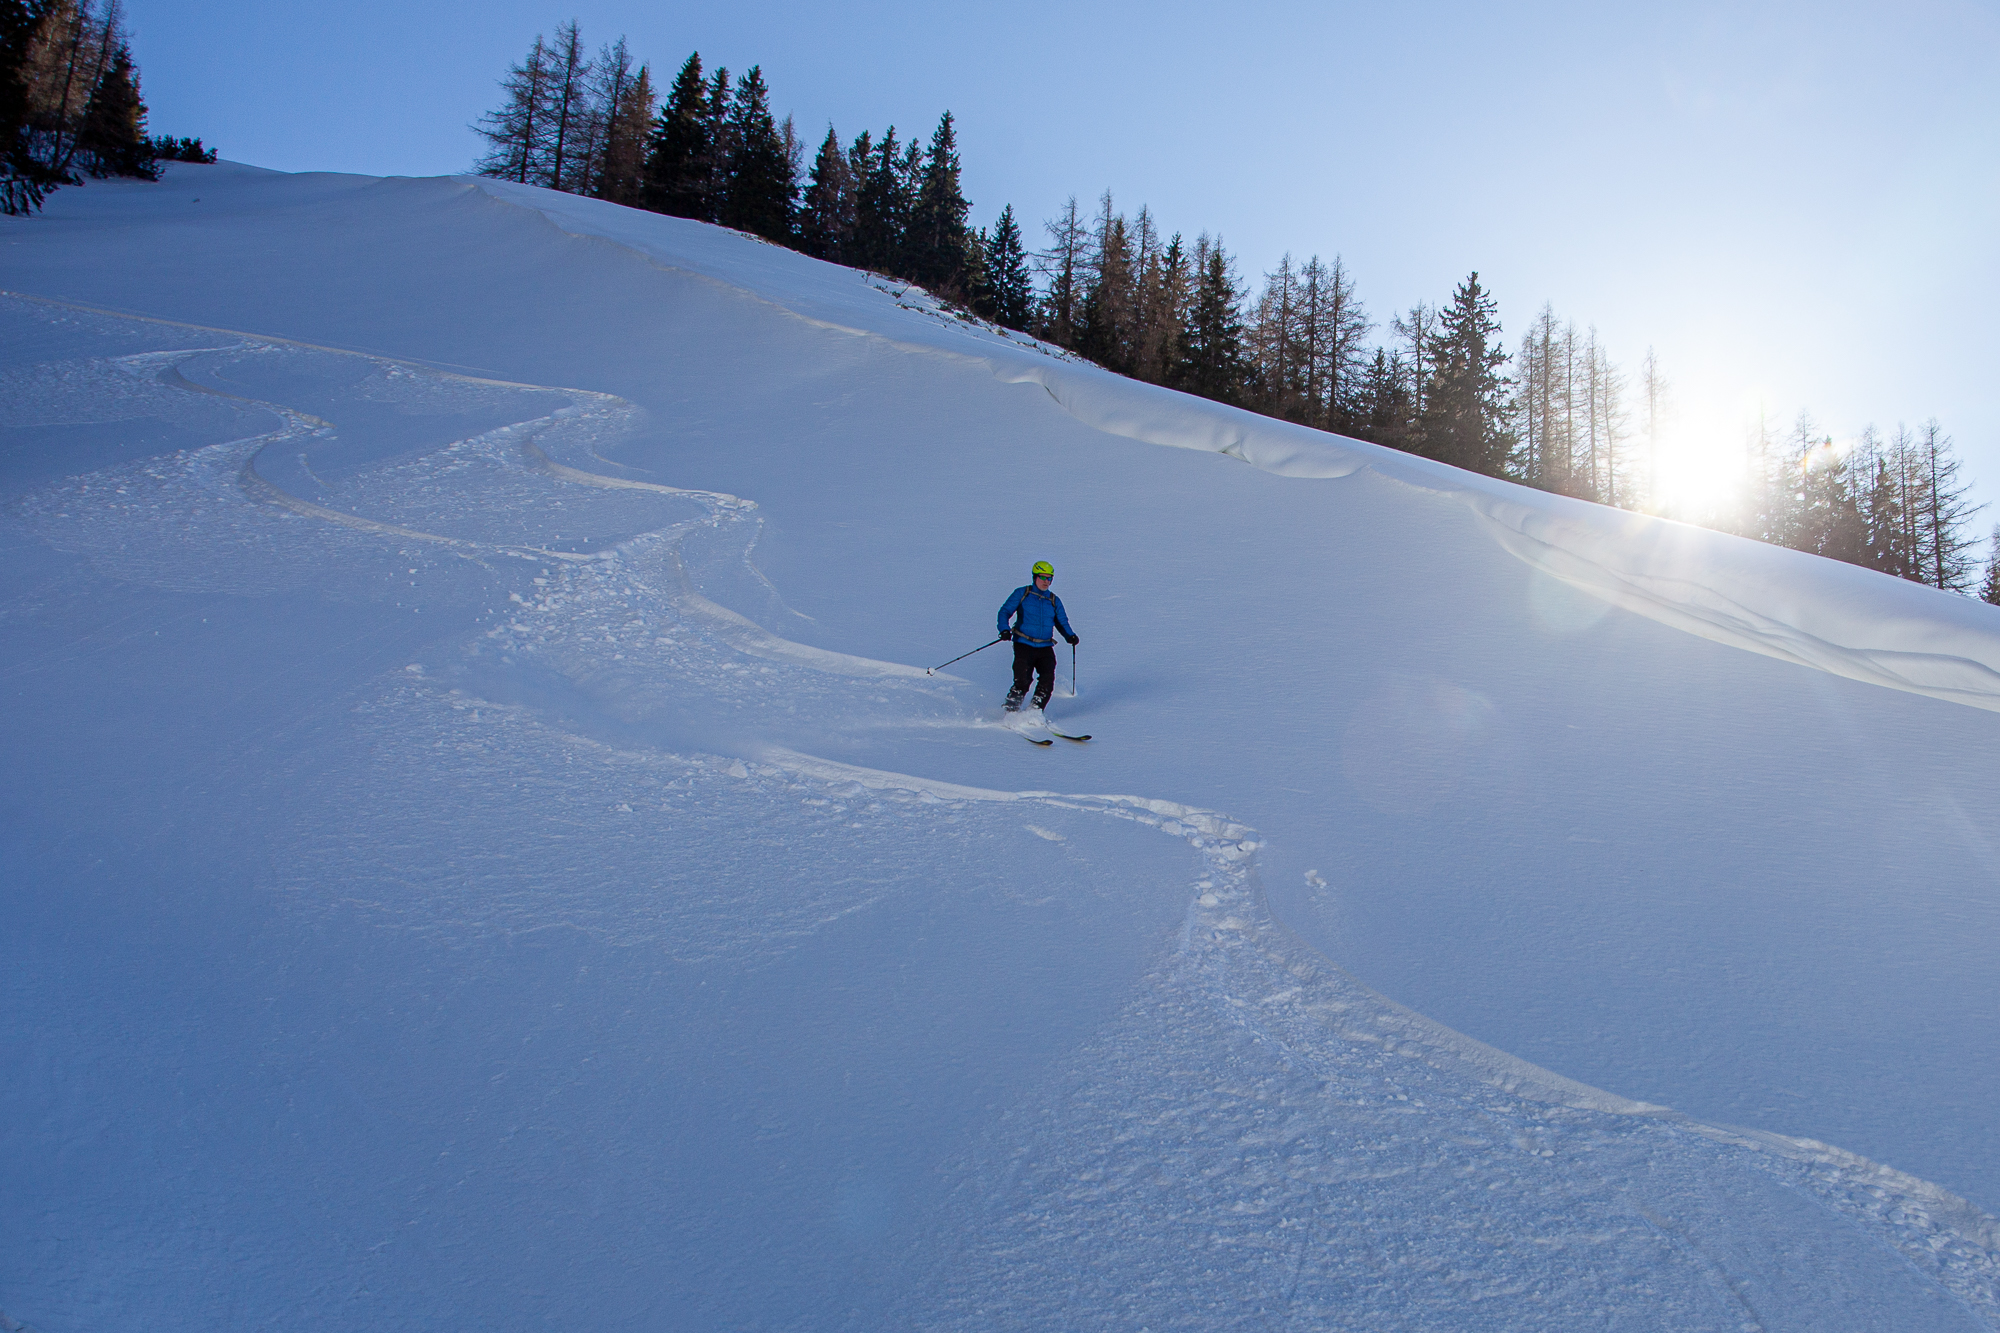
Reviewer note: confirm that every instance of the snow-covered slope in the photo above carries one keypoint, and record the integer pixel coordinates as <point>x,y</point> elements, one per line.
<point>485,852</point>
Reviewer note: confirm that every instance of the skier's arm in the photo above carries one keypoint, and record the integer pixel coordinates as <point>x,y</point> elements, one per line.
<point>1062,619</point>
<point>1007,611</point>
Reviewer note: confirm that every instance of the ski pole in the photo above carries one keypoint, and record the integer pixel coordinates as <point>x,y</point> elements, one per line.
<point>1072,671</point>
<point>960,658</point>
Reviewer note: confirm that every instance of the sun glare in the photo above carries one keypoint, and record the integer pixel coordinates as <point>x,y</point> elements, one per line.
<point>1701,473</point>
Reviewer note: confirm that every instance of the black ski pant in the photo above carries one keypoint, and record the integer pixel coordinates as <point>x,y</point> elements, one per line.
<point>1029,660</point>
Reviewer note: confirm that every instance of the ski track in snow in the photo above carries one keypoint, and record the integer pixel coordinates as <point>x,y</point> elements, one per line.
<point>1884,631</point>
<point>1350,1141</point>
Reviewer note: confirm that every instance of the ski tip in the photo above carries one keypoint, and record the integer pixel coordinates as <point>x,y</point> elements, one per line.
<point>1032,741</point>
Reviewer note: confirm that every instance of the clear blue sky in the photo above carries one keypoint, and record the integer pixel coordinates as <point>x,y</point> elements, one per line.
<point>1795,204</point>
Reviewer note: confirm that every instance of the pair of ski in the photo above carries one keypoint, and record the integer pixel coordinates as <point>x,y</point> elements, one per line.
<point>1063,735</point>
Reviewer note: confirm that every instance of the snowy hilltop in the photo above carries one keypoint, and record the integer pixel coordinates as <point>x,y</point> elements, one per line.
<point>486,849</point>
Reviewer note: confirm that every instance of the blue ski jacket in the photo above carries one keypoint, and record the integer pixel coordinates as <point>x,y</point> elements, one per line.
<point>1041,612</point>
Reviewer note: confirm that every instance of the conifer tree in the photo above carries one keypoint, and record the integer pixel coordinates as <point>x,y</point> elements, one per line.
<point>517,133</point>
<point>1144,311</point>
<point>1464,422</point>
<point>1844,531</point>
<point>24,182</point>
<point>678,156</point>
<point>938,248</point>
<point>761,190</point>
<point>1325,393</point>
<point>860,165</point>
<point>1010,290</point>
<point>1653,393</point>
<point>1907,463</point>
<point>1989,587</point>
<point>607,158</point>
<point>1212,354</point>
<point>568,111</point>
<point>1418,330</point>
<point>977,297</point>
<point>1605,428</point>
<point>860,160</point>
<point>1383,409</point>
<point>1272,342</point>
<point>795,164</point>
<point>1890,540</point>
<point>628,104</point>
<point>1544,456</point>
<point>909,180</point>
<point>826,211</point>
<point>1064,263</point>
<point>1772,487</point>
<point>1944,552</point>
<point>712,172</point>
<point>1826,516</point>
<point>881,213</point>
<point>167,148</point>
<point>1104,332</point>
<point>1786,516</point>
<point>72,46</point>
<point>113,136</point>
<point>69,100</point>
<point>1164,294</point>
<point>1333,325</point>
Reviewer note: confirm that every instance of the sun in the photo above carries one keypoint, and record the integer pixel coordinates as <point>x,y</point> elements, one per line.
<point>1701,469</point>
<point>1699,477</point>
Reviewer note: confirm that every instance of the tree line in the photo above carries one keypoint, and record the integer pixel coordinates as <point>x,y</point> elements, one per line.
<point>713,150</point>
<point>1557,413</point>
<point>70,104</point>
<point>1894,503</point>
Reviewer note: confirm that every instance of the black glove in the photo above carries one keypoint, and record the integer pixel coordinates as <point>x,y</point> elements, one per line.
<point>1006,634</point>
<point>1072,639</point>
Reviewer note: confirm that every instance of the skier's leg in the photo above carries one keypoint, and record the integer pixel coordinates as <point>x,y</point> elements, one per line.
<point>1045,671</point>
<point>1024,667</point>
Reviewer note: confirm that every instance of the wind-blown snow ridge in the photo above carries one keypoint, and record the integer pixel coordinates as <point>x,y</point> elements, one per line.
<point>1798,610</point>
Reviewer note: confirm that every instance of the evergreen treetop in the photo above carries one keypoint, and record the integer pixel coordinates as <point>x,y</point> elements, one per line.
<point>826,210</point>
<point>760,193</point>
<point>677,170</point>
<point>1212,361</point>
<point>938,247</point>
<point>1464,422</point>
<point>113,136</point>
<point>1009,290</point>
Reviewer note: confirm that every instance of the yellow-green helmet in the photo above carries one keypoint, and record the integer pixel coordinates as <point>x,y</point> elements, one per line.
<point>1043,570</point>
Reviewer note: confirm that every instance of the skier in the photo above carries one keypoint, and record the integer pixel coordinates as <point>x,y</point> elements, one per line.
<point>1040,615</point>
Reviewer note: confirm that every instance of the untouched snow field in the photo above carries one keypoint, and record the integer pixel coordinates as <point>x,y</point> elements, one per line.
<point>483,850</point>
